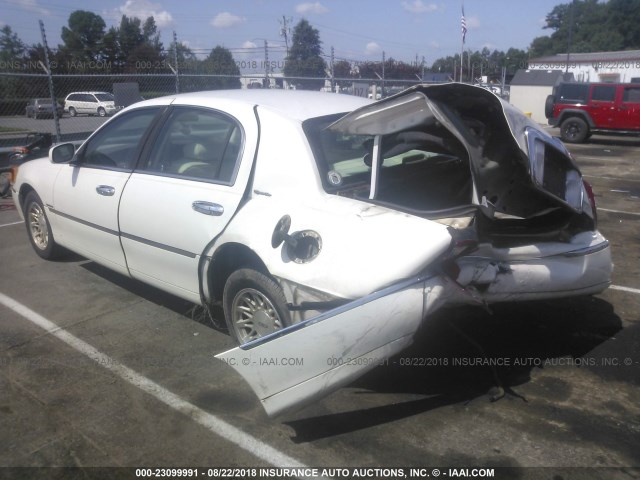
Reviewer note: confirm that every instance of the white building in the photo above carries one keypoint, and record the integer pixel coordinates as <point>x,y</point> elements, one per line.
<point>616,67</point>
<point>530,88</point>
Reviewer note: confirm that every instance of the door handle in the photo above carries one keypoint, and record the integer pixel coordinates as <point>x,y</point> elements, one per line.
<point>208,208</point>
<point>105,190</point>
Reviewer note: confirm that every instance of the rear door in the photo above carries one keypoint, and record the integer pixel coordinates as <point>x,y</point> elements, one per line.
<point>602,105</point>
<point>183,194</point>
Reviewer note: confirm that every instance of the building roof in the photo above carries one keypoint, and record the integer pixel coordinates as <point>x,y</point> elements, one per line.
<point>540,78</point>
<point>625,55</point>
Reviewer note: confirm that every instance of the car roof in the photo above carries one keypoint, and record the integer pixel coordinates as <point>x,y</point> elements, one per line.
<point>294,104</point>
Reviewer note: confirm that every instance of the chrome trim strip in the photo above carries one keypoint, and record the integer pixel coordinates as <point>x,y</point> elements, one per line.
<point>161,246</point>
<point>587,250</point>
<point>83,222</point>
<point>135,238</point>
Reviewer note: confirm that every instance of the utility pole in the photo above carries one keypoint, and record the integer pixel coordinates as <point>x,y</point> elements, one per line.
<point>572,7</point>
<point>383,62</point>
<point>333,73</point>
<point>285,30</point>
<point>266,65</point>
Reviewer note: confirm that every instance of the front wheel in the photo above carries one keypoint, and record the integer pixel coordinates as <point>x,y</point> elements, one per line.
<point>38,228</point>
<point>574,130</point>
<point>72,112</point>
<point>254,305</point>
<point>102,112</point>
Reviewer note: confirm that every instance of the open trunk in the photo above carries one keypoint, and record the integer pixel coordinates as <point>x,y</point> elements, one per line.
<point>459,155</point>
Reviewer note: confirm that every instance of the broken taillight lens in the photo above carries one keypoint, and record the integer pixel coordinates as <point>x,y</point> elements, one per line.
<point>592,200</point>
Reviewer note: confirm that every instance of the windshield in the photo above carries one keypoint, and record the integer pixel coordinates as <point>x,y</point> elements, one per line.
<point>104,97</point>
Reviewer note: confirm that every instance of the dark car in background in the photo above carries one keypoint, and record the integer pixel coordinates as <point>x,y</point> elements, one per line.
<point>41,107</point>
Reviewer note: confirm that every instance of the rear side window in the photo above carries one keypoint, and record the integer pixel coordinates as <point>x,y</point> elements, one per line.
<point>631,95</point>
<point>603,93</point>
<point>198,144</point>
<point>573,93</point>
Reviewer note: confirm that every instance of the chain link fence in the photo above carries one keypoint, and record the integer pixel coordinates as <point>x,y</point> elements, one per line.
<point>22,116</point>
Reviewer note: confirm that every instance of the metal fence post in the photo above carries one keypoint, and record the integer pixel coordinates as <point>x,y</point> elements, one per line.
<point>54,102</point>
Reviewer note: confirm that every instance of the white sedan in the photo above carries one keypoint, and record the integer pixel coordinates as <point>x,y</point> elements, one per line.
<point>328,226</point>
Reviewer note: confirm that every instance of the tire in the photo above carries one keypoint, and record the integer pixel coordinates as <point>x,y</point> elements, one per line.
<point>72,112</point>
<point>39,228</point>
<point>574,130</point>
<point>548,106</point>
<point>102,112</point>
<point>254,305</point>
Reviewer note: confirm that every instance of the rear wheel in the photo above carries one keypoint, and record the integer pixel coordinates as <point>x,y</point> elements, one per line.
<point>102,112</point>
<point>38,228</point>
<point>254,305</point>
<point>72,112</point>
<point>574,130</point>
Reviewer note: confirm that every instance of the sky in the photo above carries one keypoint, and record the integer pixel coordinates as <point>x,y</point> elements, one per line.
<point>358,30</point>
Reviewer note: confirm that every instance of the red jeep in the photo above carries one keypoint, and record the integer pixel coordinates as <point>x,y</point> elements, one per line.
<point>581,109</point>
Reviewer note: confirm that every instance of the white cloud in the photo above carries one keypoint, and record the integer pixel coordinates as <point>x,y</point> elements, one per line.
<point>144,9</point>
<point>434,44</point>
<point>372,48</point>
<point>473,22</point>
<point>317,7</point>
<point>31,6</point>
<point>418,6</point>
<point>226,20</point>
<point>249,44</point>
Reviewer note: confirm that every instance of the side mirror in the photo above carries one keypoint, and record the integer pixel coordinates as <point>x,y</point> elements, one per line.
<point>62,153</point>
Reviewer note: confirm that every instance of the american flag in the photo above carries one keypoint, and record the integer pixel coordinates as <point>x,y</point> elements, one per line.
<point>463,25</point>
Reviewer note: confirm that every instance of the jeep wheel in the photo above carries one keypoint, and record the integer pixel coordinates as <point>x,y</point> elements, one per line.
<point>574,130</point>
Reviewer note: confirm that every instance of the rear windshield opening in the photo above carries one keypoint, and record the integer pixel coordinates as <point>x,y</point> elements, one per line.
<point>423,169</point>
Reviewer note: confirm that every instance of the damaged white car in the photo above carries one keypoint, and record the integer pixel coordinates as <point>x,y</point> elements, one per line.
<point>328,226</point>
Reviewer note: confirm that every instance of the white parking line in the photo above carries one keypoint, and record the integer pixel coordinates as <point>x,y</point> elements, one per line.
<point>625,289</point>
<point>211,422</point>
<point>12,223</point>
<point>617,211</point>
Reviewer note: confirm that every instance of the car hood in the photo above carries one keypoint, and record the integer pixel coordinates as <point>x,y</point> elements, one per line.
<point>517,168</point>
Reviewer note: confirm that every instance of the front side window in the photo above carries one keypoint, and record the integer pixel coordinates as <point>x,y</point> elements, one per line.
<point>104,97</point>
<point>197,143</point>
<point>116,144</point>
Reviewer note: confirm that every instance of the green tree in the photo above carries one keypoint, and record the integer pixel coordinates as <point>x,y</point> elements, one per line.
<point>11,47</point>
<point>305,57</point>
<point>594,26</point>
<point>83,37</point>
<point>220,62</point>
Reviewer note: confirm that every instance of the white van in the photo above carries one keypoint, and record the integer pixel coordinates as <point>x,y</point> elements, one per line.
<point>90,103</point>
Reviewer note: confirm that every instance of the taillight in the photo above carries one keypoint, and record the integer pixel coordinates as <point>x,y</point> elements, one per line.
<point>20,150</point>
<point>592,200</point>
